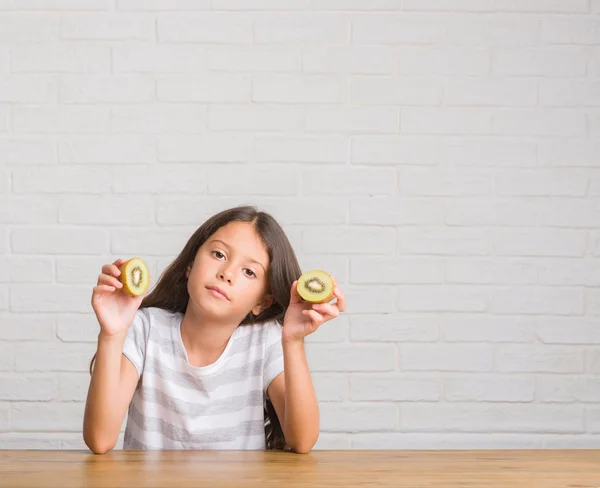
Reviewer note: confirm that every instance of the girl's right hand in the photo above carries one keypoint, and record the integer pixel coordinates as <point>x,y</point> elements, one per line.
<point>114,308</point>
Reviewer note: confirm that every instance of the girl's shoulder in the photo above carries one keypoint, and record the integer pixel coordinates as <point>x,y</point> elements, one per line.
<point>157,318</point>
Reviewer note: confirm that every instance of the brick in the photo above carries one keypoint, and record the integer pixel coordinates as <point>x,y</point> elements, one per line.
<point>369,299</point>
<point>336,332</point>
<point>301,28</point>
<point>419,60</point>
<point>159,119</point>
<point>79,269</point>
<point>254,58</point>
<point>355,240</point>
<point>518,358</point>
<point>537,300</point>
<point>208,88</point>
<point>594,124</point>
<point>79,327</point>
<point>136,242</point>
<point>536,6</point>
<point>268,118</point>
<point>571,213</point>
<point>394,328</point>
<point>592,360</point>
<point>48,357</point>
<point>395,211</point>
<point>583,30</point>
<point>106,210</point>
<point>24,327</point>
<point>5,118</point>
<point>446,357</point>
<point>50,298</point>
<point>28,89</point>
<point>502,212</point>
<point>490,92</point>
<point>382,270</point>
<point>489,388</point>
<point>385,387</point>
<point>348,59</point>
<point>491,31</point>
<point>396,150</point>
<point>22,151</point>
<point>68,119</point>
<point>385,90</point>
<point>562,389</point>
<point>372,357</point>
<point>18,387</point>
<point>539,122</point>
<point>564,153</point>
<point>490,271</point>
<point>72,387</point>
<point>569,272</point>
<point>592,302</point>
<point>441,298</point>
<point>372,417</point>
<point>491,417</point>
<point>158,58</point>
<point>285,88</point>
<point>62,179</point>
<point>352,119</point>
<point>287,5</point>
<point>4,61</point>
<point>113,149</point>
<point>327,441</point>
<point>163,4</point>
<point>3,297</point>
<point>7,359</point>
<point>257,180</point>
<point>288,212</point>
<point>573,441</point>
<point>26,210</point>
<point>46,417</point>
<point>64,5</point>
<point>569,93</point>
<point>331,387</point>
<point>440,182</point>
<point>42,240</point>
<point>204,28</point>
<point>107,27</point>
<point>350,182</point>
<point>221,148</point>
<point>82,89</point>
<point>17,27</point>
<point>23,269</point>
<point>444,441</point>
<point>592,419</point>
<point>61,58</point>
<point>539,62</point>
<point>297,149</point>
<point>444,241</point>
<point>446,120</point>
<point>568,330</point>
<point>389,28</point>
<point>335,265</point>
<point>539,242</point>
<point>356,5</point>
<point>4,243</point>
<point>28,441</point>
<point>487,328</point>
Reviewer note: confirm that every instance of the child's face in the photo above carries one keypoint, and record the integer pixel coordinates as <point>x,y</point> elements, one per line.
<point>235,260</point>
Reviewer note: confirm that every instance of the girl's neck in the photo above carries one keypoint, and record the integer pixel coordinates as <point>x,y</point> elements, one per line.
<point>204,340</point>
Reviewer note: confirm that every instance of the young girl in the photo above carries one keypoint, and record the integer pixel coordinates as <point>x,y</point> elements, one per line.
<point>203,362</point>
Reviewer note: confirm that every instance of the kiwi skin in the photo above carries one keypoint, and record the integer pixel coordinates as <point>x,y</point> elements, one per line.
<point>123,277</point>
<point>307,298</point>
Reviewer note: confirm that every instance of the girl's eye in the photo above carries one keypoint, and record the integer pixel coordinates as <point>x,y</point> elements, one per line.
<point>218,252</point>
<point>253,274</point>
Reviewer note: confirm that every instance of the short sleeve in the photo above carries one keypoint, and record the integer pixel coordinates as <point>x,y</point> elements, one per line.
<point>273,361</point>
<point>134,347</point>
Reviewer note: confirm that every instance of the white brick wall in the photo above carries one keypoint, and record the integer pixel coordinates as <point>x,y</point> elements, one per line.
<point>440,157</point>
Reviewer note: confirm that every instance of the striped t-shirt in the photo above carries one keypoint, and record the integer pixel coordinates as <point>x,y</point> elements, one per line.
<point>180,406</point>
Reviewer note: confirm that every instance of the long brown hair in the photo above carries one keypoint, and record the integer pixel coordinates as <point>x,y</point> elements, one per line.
<point>170,292</point>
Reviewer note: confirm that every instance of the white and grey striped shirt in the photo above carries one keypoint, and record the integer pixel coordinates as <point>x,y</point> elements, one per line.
<point>180,406</point>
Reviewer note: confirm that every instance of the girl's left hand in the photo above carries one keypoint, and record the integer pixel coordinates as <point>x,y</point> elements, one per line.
<point>303,318</point>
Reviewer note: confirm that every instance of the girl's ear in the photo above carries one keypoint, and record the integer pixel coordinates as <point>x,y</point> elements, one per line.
<point>265,303</point>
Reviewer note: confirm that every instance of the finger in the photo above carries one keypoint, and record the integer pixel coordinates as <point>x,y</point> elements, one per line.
<point>341,299</point>
<point>316,317</point>
<point>119,262</point>
<point>294,295</point>
<point>330,309</point>
<point>110,281</point>
<point>111,269</point>
<point>99,288</point>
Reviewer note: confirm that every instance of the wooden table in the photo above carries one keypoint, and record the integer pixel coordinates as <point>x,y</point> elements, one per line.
<point>414,469</point>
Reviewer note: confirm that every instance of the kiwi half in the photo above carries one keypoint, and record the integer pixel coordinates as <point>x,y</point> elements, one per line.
<point>315,286</point>
<point>135,276</point>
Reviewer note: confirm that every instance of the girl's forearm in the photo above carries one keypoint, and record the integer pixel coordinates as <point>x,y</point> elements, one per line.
<point>301,422</point>
<point>102,418</point>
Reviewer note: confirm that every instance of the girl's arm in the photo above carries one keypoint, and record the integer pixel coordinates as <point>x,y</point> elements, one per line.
<point>112,385</point>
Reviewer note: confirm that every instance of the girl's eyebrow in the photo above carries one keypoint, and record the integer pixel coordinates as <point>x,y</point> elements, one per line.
<point>247,257</point>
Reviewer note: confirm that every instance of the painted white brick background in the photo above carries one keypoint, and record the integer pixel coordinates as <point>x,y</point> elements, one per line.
<point>441,158</point>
